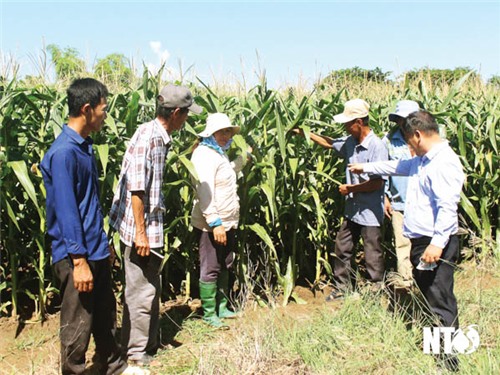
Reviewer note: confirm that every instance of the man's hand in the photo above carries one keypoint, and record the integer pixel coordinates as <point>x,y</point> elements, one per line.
<point>432,254</point>
<point>83,280</point>
<point>249,153</point>
<point>387,207</point>
<point>220,235</point>
<point>345,189</point>
<point>141,244</point>
<point>112,253</point>
<point>356,168</point>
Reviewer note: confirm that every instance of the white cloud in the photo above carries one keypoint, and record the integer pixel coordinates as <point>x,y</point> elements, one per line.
<point>162,57</point>
<point>155,46</point>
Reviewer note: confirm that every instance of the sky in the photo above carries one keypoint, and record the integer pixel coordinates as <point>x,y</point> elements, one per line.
<point>294,42</point>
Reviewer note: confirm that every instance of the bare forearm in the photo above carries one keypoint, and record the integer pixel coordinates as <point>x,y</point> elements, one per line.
<point>141,241</point>
<point>138,211</point>
<point>367,186</point>
<point>322,140</point>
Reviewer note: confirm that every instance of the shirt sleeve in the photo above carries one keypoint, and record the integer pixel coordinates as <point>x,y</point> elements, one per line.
<point>206,168</point>
<point>237,164</point>
<point>139,166</point>
<point>387,186</point>
<point>379,153</point>
<point>339,147</point>
<point>64,180</point>
<point>389,167</point>
<point>446,185</point>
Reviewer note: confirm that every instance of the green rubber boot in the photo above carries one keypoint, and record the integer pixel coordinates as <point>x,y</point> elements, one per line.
<point>207,295</point>
<point>221,298</point>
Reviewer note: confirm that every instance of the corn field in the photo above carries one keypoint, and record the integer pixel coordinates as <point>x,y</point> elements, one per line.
<point>290,204</point>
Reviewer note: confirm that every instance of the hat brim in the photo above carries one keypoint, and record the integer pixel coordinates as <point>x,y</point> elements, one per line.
<point>402,114</point>
<point>195,108</point>
<point>394,116</point>
<point>341,118</point>
<point>205,133</point>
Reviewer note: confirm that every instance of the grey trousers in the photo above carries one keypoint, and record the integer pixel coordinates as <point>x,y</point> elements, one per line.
<point>140,326</point>
<point>347,237</point>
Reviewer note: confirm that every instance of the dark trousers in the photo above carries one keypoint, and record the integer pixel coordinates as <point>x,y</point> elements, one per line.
<point>347,238</point>
<point>215,257</point>
<point>437,285</point>
<point>83,314</point>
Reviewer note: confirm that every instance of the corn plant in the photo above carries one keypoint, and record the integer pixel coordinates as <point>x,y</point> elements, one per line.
<point>290,207</point>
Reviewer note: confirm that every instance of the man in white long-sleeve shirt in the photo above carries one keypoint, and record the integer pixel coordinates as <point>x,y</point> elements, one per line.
<point>430,220</point>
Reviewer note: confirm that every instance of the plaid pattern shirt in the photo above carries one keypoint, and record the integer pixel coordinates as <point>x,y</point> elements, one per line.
<point>142,170</point>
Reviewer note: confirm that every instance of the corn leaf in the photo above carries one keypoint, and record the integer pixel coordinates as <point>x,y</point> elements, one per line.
<point>470,210</point>
<point>20,169</point>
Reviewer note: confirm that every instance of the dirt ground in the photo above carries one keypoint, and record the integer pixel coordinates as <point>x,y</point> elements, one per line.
<point>27,347</point>
<point>33,347</point>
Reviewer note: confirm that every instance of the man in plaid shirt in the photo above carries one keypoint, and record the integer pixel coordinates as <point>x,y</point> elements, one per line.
<point>137,214</point>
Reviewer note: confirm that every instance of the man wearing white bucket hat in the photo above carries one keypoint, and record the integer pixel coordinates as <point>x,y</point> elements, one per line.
<point>363,213</point>
<point>395,195</point>
<point>137,214</point>
<point>215,215</point>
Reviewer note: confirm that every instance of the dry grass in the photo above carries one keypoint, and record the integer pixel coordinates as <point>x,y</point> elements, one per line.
<point>356,336</point>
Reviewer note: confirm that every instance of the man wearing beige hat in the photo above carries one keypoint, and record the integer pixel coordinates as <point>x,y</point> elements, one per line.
<point>137,214</point>
<point>364,196</point>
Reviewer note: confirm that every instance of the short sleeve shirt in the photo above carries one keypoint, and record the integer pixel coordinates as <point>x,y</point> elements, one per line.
<point>363,208</point>
<point>142,171</point>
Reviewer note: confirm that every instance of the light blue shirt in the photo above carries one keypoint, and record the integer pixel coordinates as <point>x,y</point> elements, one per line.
<point>434,185</point>
<point>398,150</point>
<point>363,208</point>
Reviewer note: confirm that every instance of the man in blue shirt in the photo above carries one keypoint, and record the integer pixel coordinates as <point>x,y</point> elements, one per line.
<point>396,192</point>
<point>364,211</point>
<point>431,220</point>
<point>80,250</point>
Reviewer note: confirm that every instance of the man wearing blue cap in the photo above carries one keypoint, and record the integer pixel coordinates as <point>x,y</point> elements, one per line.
<point>395,195</point>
